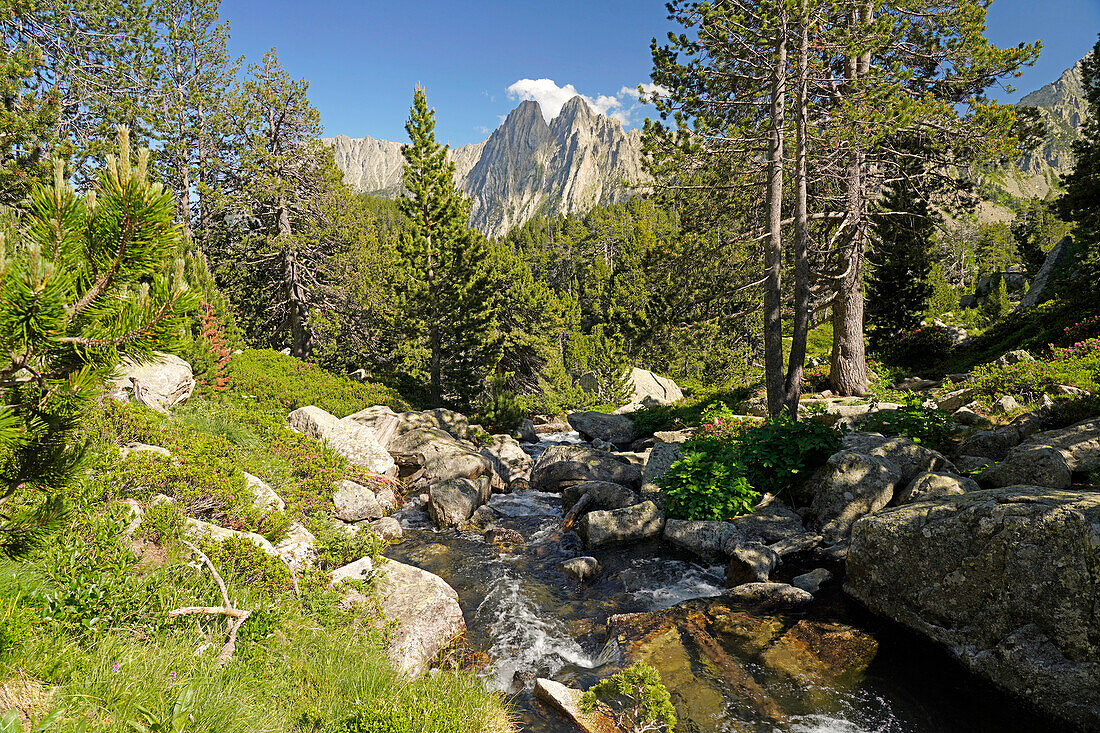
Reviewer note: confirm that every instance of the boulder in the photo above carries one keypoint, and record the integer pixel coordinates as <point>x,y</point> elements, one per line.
<point>135,447</point>
<point>196,529</point>
<point>928,486</point>
<point>675,436</point>
<point>955,399</point>
<point>510,461</point>
<point>563,465</point>
<point>969,464</point>
<point>966,415</point>
<point>388,529</point>
<point>661,457</point>
<point>812,581</point>
<point>610,526</point>
<point>347,437</point>
<point>615,429</point>
<point>445,456</point>
<point>768,596</point>
<point>298,548</point>
<point>993,443</point>
<point>525,433</point>
<point>1079,444</point>
<point>361,569</point>
<point>704,538</point>
<point>582,568</point>
<point>750,562</point>
<point>908,458</point>
<point>265,496</point>
<point>1004,405</point>
<point>827,652</point>
<point>770,522</point>
<point>848,486</point>
<point>605,495</point>
<point>389,424</point>
<point>452,502</point>
<point>165,381</point>
<point>387,499</point>
<point>1035,465</point>
<point>649,387</point>
<point>1013,357</point>
<point>426,611</point>
<point>567,701</point>
<point>355,502</point>
<point>1004,579</point>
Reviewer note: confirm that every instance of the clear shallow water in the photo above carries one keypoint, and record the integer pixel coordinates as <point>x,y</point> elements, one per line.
<point>533,620</point>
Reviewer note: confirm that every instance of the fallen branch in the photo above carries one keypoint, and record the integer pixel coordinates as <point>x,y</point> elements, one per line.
<point>571,515</point>
<point>236,615</point>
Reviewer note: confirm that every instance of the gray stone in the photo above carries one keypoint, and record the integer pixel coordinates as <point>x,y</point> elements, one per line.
<point>955,399</point>
<point>387,499</point>
<point>135,447</point>
<point>906,457</point>
<point>361,569</point>
<point>482,518</point>
<point>993,443</point>
<point>164,382</point>
<point>1005,404</point>
<point>605,495</point>
<point>452,502</point>
<point>750,562</point>
<point>674,436</point>
<point>445,456</point>
<point>652,387</point>
<point>1013,357</point>
<point>564,465</point>
<point>704,538</point>
<point>526,432</point>
<point>426,613</point>
<point>812,581</point>
<point>510,462</point>
<point>928,486</point>
<point>265,496</point>
<point>298,548</point>
<point>1042,289</point>
<point>770,522</point>
<point>796,543</point>
<point>196,529</point>
<point>848,486</point>
<point>347,437</point>
<point>582,568</point>
<point>388,529</point>
<point>1035,465</point>
<point>969,464</point>
<point>1004,579</point>
<point>769,596</point>
<point>355,502</point>
<point>1079,444</point>
<point>604,527</point>
<point>567,701</point>
<point>615,429</point>
<point>967,416</point>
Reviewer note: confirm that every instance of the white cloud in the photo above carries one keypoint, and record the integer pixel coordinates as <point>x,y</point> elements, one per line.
<point>647,89</point>
<point>551,97</point>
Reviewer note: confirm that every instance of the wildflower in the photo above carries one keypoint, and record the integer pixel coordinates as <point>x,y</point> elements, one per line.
<point>172,675</point>
<point>115,667</point>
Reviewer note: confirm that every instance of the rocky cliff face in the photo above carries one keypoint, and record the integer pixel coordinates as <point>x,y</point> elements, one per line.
<point>578,161</point>
<point>1062,106</point>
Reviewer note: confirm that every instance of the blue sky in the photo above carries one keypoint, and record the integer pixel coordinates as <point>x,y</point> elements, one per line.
<point>364,57</point>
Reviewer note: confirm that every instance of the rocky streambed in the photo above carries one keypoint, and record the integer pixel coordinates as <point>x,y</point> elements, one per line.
<point>730,665</point>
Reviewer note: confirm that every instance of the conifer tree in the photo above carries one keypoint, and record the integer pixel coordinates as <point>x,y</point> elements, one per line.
<point>86,281</point>
<point>1081,202</point>
<point>447,286</point>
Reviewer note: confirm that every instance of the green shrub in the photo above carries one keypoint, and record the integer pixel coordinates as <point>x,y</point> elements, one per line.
<point>240,560</point>
<point>281,383</point>
<point>336,546</point>
<point>708,482</point>
<point>162,522</point>
<point>914,421</point>
<point>17,622</point>
<point>1068,411</point>
<point>782,451</point>
<point>638,699</point>
<point>1031,379</point>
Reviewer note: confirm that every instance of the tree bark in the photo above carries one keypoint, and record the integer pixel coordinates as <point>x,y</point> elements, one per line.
<point>848,364</point>
<point>294,289</point>
<point>773,250</point>
<point>801,326</point>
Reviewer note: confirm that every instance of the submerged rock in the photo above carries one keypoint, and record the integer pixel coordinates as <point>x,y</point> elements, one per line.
<point>582,568</point>
<point>1005,579</point>
<point>630,524</point>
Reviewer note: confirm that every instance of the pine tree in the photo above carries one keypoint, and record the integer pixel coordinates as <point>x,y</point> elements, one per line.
<point>1036,230</point>
<point>901,257</point>
<point>1081,202</point>
<point>86,281</point>
<point>447,287</point>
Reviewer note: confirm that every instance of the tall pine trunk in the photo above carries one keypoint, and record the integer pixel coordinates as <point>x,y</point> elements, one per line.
<point>801,326</point>
<point>848,363</point>
<point>773,250</point>
<point>294,289</point>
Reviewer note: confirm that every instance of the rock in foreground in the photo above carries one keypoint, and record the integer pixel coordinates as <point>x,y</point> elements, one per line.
<point>426,611</point>
<point>1005,579</point>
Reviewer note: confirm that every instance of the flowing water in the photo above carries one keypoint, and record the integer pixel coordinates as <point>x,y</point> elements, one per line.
<point>533,620</point>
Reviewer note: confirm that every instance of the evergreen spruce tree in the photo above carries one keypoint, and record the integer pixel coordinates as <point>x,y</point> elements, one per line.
<point>84,282</point>
<point>1081,202</point>
<point>447,286</point>
<point>901,257</point>
<point>1036,229</point>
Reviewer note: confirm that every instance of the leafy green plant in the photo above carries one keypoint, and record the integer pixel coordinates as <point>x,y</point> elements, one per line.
<point>240,560</point>
<point>10,723</point>
<point>708,482</point>
<point>779,453</point>
<point>337,546</point>
<point>174,720</point>
<point>162,522</point>
<point>637,698</point>
<point>914,421</point>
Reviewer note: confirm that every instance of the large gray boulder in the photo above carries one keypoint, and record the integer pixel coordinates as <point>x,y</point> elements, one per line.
<point>165,381</point>
<point>702,537</point>
<point>1036,465</point>
<point>751,562</point>
<point>388,424</point>
<point>605,495</point>
<point>355,442</point>
<point>660,459</point>
<point>648,387</point>
<point>426,613</point>
<point>563,465</point>
<point>848,486</point>
<point>615,429</point>
<point>1042,289</point>
<point>993,444</point>
<point>770,522</point>
<point>1079,444</point>
<point>611,526</point>
<point>908,458</point>
<point>298,549</point>
<point>354,502</point>
<point>1005,579</point>
<point>510,461</point>
<point>445,456</point>
<point>928,486</point>
<point>452,502</point>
